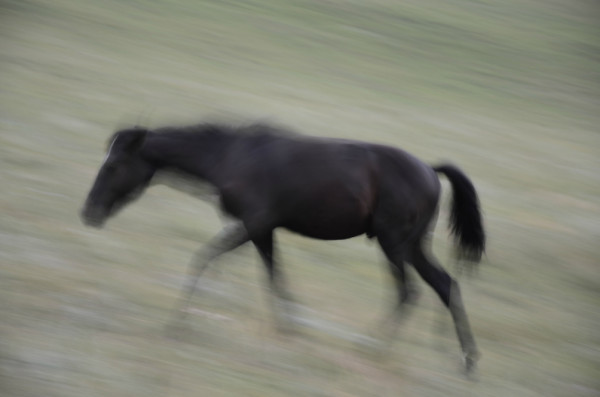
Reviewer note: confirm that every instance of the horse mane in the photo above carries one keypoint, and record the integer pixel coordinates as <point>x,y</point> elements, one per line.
<point>261,128</point>
<point>216,130</point>
<point>113,136</point>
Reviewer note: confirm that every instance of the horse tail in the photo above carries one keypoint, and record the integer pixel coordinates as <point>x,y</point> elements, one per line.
<point>465,218</point>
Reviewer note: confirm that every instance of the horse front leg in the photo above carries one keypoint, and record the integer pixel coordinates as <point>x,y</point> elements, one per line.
<point>229,238</point>
<point>283,304</point>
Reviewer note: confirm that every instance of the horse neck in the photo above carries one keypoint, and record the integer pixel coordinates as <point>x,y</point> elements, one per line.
<point>196,154</point>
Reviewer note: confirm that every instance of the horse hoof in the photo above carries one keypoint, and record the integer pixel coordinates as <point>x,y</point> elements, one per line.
<point>286,329</point>
<point>412,296</point>
<point>178,330</point>
<point>470,362</point>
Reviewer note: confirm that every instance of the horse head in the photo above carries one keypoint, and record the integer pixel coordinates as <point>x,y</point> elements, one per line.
<point>123,176</point>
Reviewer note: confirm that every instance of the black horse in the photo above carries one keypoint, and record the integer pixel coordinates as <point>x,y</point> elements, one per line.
<point>321,188</point>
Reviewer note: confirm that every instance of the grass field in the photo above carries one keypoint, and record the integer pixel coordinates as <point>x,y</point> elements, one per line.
<point>507,90</point>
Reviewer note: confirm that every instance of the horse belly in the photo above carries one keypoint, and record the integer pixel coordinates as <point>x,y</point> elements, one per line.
<point>324,191</point>
<point>329,222</point>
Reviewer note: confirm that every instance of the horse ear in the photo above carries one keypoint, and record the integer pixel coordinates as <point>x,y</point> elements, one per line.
<point>135,139</point>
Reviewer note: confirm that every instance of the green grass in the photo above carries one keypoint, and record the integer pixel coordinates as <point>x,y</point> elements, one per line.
<point>507,90</point>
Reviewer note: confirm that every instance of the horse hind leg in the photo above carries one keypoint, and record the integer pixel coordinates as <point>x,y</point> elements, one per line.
<point>449,292</point>
<point>394,246</point>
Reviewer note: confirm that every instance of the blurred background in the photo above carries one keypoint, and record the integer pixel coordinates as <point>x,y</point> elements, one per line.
<point>508,90</point>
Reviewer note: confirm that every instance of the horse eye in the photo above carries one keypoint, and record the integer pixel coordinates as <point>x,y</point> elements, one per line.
<point>111,168</point>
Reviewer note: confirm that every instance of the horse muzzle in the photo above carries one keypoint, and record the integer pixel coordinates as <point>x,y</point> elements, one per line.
<point>93,216</point>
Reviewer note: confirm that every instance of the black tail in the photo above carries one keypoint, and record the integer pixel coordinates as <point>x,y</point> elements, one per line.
<point>465,219</point>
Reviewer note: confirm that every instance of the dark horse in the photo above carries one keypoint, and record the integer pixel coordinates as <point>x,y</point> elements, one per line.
<point>321,188</point>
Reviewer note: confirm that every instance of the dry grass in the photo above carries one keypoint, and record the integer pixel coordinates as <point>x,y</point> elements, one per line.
<point>507,90</point>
